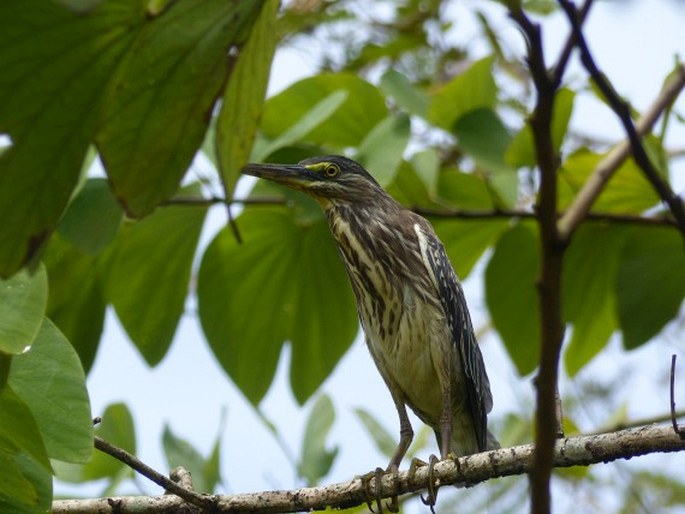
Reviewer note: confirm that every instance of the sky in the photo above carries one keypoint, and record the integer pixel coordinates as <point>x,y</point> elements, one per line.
<point>635,46</point>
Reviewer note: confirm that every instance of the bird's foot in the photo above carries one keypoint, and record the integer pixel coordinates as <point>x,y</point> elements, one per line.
<point>432,497</point>
<point>377,476</point>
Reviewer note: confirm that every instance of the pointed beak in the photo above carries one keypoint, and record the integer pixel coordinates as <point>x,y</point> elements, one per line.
<point>291,175</point>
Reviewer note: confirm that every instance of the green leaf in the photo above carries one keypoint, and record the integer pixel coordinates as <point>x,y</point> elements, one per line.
<point>464,190</point>
<point>472,89</point>
<point>466,240</point>
<point>590,268</point>
<point>25,485</point>
<point>427,166</point>
<point>403,92</point>
<point>512,297</point>
<point>79,312</point>
<point>51,105</point>
<point>158,105</point>
<point>650,285</point>
<point>484,138</point>
<point>147,276</point>
<point>93,217</point>
<point>116,428</point>
<point>628,191</point>
<point>303,297</point>
<point>314,117</point>
<point>243,98</point>
<point>180,452</point>
<point>381,150</point>
<point>19,432</point>
<point>22,305</point>
<point>521,150</point>
<point>385,442</point>
<point>362,110</point>
<point>50,380</point>
<point>316,460</point>
<point>15,487</point>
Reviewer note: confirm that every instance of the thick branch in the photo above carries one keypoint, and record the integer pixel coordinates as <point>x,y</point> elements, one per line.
<point>605,169</point>
<point>573,451</point>
<point>547,419</point>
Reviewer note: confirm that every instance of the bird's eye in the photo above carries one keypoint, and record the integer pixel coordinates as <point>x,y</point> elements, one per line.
<point>331,170</point>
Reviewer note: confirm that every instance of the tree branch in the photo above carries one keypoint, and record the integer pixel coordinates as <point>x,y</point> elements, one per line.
<point>498,214</point>
<point>622,110</point>
<point>137,465</point>
<point>568,452</point>
<point>548,412</point>
<point>592,188</point>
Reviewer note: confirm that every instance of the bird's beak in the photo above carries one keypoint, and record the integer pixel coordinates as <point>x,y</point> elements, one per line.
<point>291,175</point>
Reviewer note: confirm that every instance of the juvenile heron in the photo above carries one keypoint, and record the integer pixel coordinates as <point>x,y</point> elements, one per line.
<point>410,303</point>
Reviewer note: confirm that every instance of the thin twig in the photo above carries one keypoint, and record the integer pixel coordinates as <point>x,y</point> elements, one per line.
<point>674,420</point>
<point>623,425</point>
<point>592,188</point>
<point>622,110</point>
<point>136,464</point>
<point>564,56</point>
<point>203,201</point>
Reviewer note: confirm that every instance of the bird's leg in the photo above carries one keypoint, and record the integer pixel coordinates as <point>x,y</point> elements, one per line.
<point>406,432</point>
<point>446,420</point>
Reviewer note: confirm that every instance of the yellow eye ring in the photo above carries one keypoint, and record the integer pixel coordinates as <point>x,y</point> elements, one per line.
<point>331,170</point>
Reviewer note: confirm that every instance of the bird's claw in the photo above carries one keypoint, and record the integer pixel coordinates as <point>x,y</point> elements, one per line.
<point>376,498</point>
<point>432,497</point>
<point>394,504</point>
<point>377,476</point>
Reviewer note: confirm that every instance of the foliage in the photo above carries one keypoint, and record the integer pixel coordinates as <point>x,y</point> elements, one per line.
<point>151,85</point>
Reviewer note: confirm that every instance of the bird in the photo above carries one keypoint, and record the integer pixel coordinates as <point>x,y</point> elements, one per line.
<point>410,303</point>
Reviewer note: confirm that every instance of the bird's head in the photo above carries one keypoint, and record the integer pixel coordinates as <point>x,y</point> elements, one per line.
<point>327,178</point>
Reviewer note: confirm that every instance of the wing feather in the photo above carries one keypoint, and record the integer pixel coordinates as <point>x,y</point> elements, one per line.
<point>453,301</point>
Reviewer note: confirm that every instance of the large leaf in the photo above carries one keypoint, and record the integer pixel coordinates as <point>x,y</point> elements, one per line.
<point>651,283</point>
<point>466,240</point>
<point>521,150</point>
<point>285,282</point>
<point>147,276</point>
<point>404,93</point>
<point>512,297</point>
<point>22,305</point>
<point>589,300</point>
<point>55,64</point>
<point>381,150</point>
<point>385,442</point>
<point>483,137</point>
<point>363,109</point>
<point>464,190</point>
<point>160,101</point>
<point>116,427</point>
<point>25,485</point>
<point>179,452</point>
<point>318,114</point>
<point>628,191</point>
<point>243,97</point>
<point>316,460</point>
<point>50,380</point>
<point>19,432</point>
<point>79,312</point>
<point>472,89</point>
<point>92,218</point>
